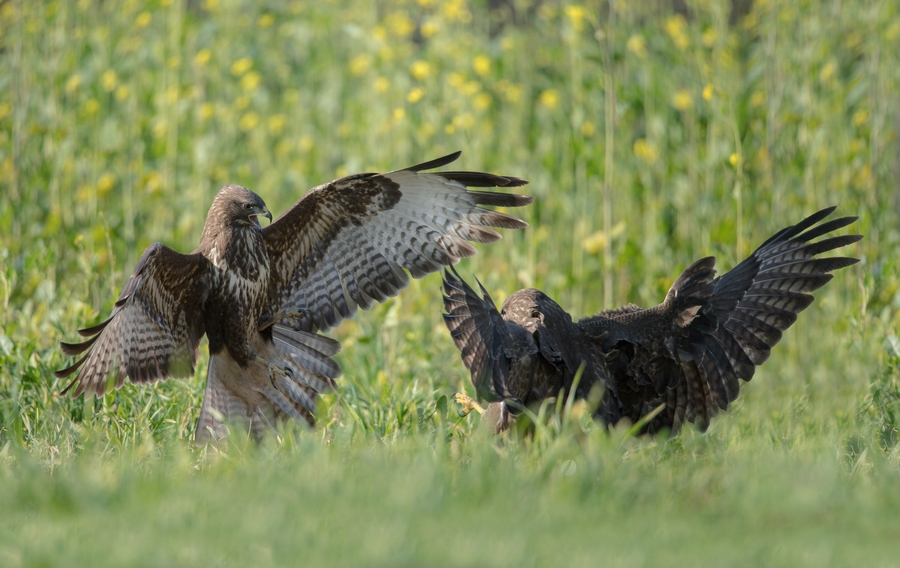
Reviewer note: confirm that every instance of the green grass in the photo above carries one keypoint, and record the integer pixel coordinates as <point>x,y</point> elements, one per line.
<point>650,140</point>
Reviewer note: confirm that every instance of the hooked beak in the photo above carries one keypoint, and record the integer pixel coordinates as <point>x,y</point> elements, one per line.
<point>265,213</point>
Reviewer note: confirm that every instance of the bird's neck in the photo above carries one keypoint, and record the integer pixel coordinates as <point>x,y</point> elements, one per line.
<point>237,248</point>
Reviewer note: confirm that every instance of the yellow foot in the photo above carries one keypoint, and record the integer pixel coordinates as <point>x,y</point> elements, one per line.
<point>468,404</point>
<point>298,313</point>
<point>274,370</point>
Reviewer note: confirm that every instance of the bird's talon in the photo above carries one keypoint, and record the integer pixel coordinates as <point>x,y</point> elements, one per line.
<point>468,404</point>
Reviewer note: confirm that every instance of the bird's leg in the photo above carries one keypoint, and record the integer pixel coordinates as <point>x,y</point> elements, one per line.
<point>468,403</point>
<point>273,369</point>
<point>299,313</point>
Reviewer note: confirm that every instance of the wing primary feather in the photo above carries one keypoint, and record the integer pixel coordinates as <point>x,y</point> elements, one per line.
<point>436,163</point>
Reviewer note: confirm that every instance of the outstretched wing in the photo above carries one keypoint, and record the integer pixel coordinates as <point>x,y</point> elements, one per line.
<point>155,327</point>
<point>760,298</point>
<point>484,339</point>
<point>349,243</point>
<point>690,351</point>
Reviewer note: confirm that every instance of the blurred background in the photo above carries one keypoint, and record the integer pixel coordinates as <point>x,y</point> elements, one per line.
<point>653,133</point>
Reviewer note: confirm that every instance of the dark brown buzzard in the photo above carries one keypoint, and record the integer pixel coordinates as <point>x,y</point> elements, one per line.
<point>261,294</point>
<point>684,356</point>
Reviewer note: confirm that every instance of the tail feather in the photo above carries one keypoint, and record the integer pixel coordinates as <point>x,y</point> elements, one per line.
<point>220,405</point>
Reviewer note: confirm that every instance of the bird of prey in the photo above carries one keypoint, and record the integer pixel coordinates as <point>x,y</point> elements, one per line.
<point>673,363</point>
<point>261,294</point>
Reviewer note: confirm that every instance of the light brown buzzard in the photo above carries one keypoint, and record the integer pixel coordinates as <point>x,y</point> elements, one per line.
<point>261,294</point>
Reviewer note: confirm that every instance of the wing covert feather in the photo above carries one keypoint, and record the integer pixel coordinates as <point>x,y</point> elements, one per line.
<point>356,240</point>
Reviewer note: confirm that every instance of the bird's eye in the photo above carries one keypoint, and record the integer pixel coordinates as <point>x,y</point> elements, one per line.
<point>248,206</point>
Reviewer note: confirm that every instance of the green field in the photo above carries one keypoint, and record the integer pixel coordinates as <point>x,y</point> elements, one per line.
<point>650,139</point>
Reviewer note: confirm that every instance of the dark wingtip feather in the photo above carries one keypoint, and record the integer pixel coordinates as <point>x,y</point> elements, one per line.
<point>481,179</point>
<point>63,373</point>
<point>93,330</point>
<point>794,230</point>
<point>436,163</point>
<point>77,348</point>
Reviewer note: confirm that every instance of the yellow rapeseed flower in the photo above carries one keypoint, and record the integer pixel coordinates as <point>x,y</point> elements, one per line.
<point>675,27</point>
<point>171,94</point>
<point>203,56</point>
<point>426,130</point>
<point>734,159</point>
<point>455,80</point>
<point>709,37</point>
<point>382,84</point>
<point>644,150</point>
<point>360,64</point>
<point>306,143</point>
<point>576,16</point>
<point>587,128</point>
<point>173,62</point>
<point>73,83</point>
<point>251,81</point>
<point>549,98</point>
<point>386,53</point>
<point>507,43</point>
<point>106,183</point>
<point>210,5</point>
<point>206,111</point>
<point>5,110</point>
<point>860,118</point>
<point>513,93</point>
<point>758,99</point>
<point>415,95</point>
<point>400,24</point>
<point>109,80</point>
<point>159,129</point>
<point>143,20</point>
<point>242,102</point>
<point>457,10</point>
<point>482,101</point>
<point>399,114</point>
<point>429,29</point>
<point>546,11</point>
<point>464,121</point>
<point>248,122</point>
<point>92,106</point>
<point>265,21</point>
<point>595,242</point>
<point>707,93</point>
<point>893,31</point>
<point>482,65</point>
<point>469,88</point>
<point>420,69</point>
<point>276,124</point>
<point>241,66</point>
<point>682,100</point>
<point>637,45</point>
<point>828,71</point>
